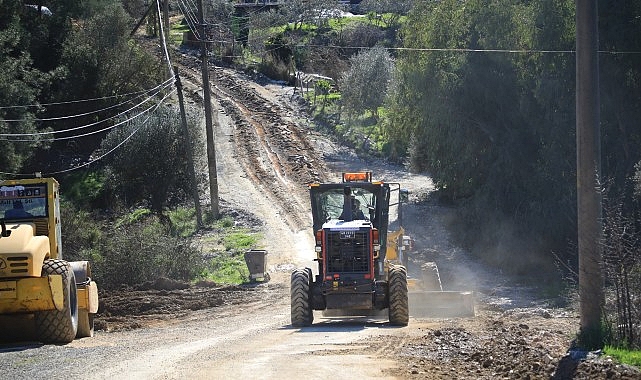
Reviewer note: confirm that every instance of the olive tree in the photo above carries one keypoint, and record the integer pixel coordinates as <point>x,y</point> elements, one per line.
<point>148,160</point>
<point>364,86</point>
<point>387,11</point>
<point>315,12</point>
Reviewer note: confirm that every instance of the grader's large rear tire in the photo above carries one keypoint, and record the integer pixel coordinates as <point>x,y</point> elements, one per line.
<point>59,326</point>
<point>302,314</point>
<point>399,311</point>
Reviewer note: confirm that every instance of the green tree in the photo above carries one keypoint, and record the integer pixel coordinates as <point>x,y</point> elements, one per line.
<point>100,60</point>
<point>620,83</point>
<point>20,85</point>
<point>364,86</point>
<point>493,128</point>
<point>148,163</point>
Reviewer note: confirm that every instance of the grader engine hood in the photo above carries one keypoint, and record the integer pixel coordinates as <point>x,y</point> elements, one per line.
<point>22,253</point>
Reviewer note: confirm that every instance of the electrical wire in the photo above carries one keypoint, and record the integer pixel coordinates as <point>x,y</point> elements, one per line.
<point>115,147</point>
<point>468,50</point>
<point>77,115</point>
<point>84,100</point>
<point>155,107</point>
<point>194,30</point>
<point>164,42</point>
<point>87,133</point>
<point>457,50</point>
<point>191,19</point>
<point>129,119</point>
<point>167,84</point>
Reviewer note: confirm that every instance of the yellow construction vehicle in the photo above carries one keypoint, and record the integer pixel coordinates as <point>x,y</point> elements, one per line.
<point>36,284</point>
<point>426,295</point>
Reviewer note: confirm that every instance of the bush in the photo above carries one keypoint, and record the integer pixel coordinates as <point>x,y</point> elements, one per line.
<point>81,234</point>
<point>152,165</point>
<point>138,247</point>
<point>145,251</point>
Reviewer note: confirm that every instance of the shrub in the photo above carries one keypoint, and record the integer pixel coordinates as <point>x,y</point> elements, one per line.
<point>138,247</point>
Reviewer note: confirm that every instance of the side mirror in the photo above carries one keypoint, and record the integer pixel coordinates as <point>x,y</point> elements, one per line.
<point>404,195</point>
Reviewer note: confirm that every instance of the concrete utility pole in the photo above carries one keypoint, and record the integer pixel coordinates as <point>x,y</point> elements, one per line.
<point>588,144</point>
<point>211,150</point>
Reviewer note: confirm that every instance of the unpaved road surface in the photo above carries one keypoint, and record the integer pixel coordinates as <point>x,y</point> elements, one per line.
<point>267,152</point>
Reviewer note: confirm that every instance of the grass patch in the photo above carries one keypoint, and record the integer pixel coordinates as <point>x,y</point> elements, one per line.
<point>631,357</point>
<point>183,220</point>
<point>239,241</point>
<point>176,33</point>
<point>228,268</point>
<point>342,22</point>
<point>228,246</point>
<point>224,222</point>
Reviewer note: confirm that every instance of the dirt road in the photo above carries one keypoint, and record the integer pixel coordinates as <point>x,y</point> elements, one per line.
<point>266,155</point>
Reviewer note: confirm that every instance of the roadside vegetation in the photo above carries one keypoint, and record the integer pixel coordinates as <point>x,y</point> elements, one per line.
<point>479,94</point>
<point>632,357</point>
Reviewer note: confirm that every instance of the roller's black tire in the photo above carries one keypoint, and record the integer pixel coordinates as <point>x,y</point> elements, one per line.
<point>301,309</point>
<point>398,301</point>
<point>59,326</point>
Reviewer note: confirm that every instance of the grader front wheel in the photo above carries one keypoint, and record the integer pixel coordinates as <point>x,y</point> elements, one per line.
<point>398,301</point>
<point>301,309</point>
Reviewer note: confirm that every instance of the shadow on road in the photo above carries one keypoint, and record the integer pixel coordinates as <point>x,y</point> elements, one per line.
<point>344,324</point>
<point>19,346</point>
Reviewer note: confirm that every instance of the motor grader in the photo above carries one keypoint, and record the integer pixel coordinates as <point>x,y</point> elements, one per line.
<point>357,273</point>
<point>36,284</point>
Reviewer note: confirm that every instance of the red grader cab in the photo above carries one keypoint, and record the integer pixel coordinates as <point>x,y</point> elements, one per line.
<point>351,222</point>
<point>38,289</point>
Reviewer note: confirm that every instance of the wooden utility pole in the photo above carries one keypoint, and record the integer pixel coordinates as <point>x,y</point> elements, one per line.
<point>142,19</point>
<point>163,33</point>
<point>190,154</point>
<point>588,144</point>
<point>211,150</point>
<point>165,15</point>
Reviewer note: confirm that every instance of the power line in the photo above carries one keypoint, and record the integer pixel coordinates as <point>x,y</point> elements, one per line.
<point>466,50</point>
<point>115,147</point>
<point>102,155</point>
<point>192,20</point>
<point>87,133</point>
<point>163,39</point>
<point>84,100</point>
<point>428,49</point>
<point>166,85</point>
<point>76,115</point>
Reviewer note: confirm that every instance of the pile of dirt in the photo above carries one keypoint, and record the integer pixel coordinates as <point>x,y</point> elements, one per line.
<point>164,300</point>
<point>516,344</point>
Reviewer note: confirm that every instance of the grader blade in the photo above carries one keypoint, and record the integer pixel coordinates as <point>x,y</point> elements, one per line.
<point>427,299</point>
<point>441,304</point>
